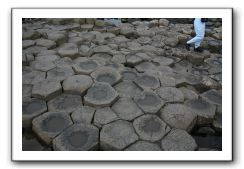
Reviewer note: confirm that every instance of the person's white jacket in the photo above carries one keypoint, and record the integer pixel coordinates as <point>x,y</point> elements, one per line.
<point>199,28</point>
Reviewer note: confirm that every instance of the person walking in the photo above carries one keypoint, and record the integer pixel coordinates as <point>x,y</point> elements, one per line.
<point>199,27</point>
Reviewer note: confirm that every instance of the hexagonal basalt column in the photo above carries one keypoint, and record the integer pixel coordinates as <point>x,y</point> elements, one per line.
<point>133,60</point>
<point>85,66</point>
<point>170,94</point>
<point>143,146</point>
<point>178,140</point>
<point>68,50</point>
<point>47,89</point>
<point>163,61</point>
<point>59,73</point>
<point>107,75</point>
<point>150,127</point>
<point>147,82</point>
<point>212,96</point>
<point>83,114</point>
<point>117,135</point>
<point>126,109</point>
<point>127,89</point>
<point>78,137</point>
<point>204,110</point>
<point>42,65</point>
<point>149,102</point>
<point>179,116</point>
<point>66,103</point>
<point>50,124</point>
<point>31,109</point>
<point>128,74</point>
<point>104,116</point>
<point>77,84</point>
<point>100,94</point>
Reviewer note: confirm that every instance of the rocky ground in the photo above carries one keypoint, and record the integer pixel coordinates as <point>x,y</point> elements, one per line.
<point>88,85</point>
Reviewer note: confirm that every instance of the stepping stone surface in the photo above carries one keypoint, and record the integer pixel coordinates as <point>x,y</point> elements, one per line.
<point>178,116</point>
<point>127,89</point>
<point>212,96</point>
<point>100,94</point>
<point>85,66</point>
<point>77,84</point>
<point>59,73</point>
<point>68,50</point>
<point>83,114</point>
<point>50,124</point>
<point>78,137</point>
<point>170,94</point>
<point>147,82</point>
<point>178,140</point>
<point>104,116</point>
<point>150,127</point>
<point>117,135</point>
<point>143,146</point>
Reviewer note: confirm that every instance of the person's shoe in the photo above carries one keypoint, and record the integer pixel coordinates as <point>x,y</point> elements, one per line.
<point>198,49</point>
<point>188,47</point>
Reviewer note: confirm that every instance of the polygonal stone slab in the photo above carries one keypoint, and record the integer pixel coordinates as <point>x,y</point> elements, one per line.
<point>167,81</point>
<point>31,144</point>
<point>77,84</point>
<point>64,62</point>
<point>42,65</point>
<point>133,60</point>
<point>143,146</point>
<point>47,89</point>
<point>58,37</point>
<point>149,102</point>
<point>83,114</point>
<point>217,123</point>
<point>117,135</point>
<point>78,137</point>
<point>128,74</point>
<point>59,73</point>
<point>104,116</point>
<point>85,66</point>
<point>179,116</point>
<point>170,94</point>
<point>150,127</point>
<point>65,103</point>
<point>50,124</point>
<point>204,110</point>
<point>145,66</point>
<point>212,96</point>
<point>31,109</point>
<point>46,43</point>
<point>68,50</point>
<point>47,58</point>
<point>163,61</point>
<point>178,140</point>
<point>126,109</point>
<point>27,43</point>
<point>101,95</point>
<point>32,77</point>
<point>147,82</point>
<point>106,75</point>
<point>127,89</point>
<point>188,94</point>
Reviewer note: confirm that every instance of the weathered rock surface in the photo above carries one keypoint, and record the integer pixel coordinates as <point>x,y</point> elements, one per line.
<point>127,89</point>
<point>83,114</point>
<point>170,94</point>
<point>143,146</point>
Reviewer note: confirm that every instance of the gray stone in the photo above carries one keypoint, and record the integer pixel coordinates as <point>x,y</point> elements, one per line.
<point>26,91</point>
<point>45,43</point>
<point>46,89</point>
<point>206,131</point>
<point>172,42</point>
<point>30,34</point>
<point>204,110</point>
<point>59,73</point>
<point>119,59</point>
<point>106,75</point>
<point>42,65</point>
<point>212,96</point>
<point>34,50</point>
<point>85,66</point>
<point>33,77</point>
<point>144,40</point>
<point>146,82</point>
<point>126,109</point>
<point>163,22</point>
<point>83,114</point>
<point>102,49</point>
<point>188,94</point>
<point>133,60</point>
<point>78,137</point>
<point>31,144</point>
<point>150,127</point>
<point>217,123</point>
<point>104,116</point>
<point>76,40</point>
<point>47,52</point>
<point>47,58</point>
<point>178,140</point>
<point>149,102</point>
<point>127,89</point>
<point>208,83</point>
<point>65,103</point>
<point>167,81</point>
<point>114,30</point>
<point>58,37</point>
<point>195,58</point>
<point>170,94</point>
<point>31,109</point>
<point>163,61</point>
<point>27,43</point>
<point>143,146</point>
<point>117,66</point>
<point>64,62</point>
<point>117,135</point>
<point>48,125</point>
<point>77,84</point>
<point>86,27</point>
<point>179,116</point>
<point>128,75</point>
<point>69,50</point>
<point>85,51</point>
<point>145,67</point>
<point>101,95</point>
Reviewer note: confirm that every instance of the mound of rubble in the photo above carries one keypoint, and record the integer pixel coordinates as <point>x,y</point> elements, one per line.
<point>90,85</point>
